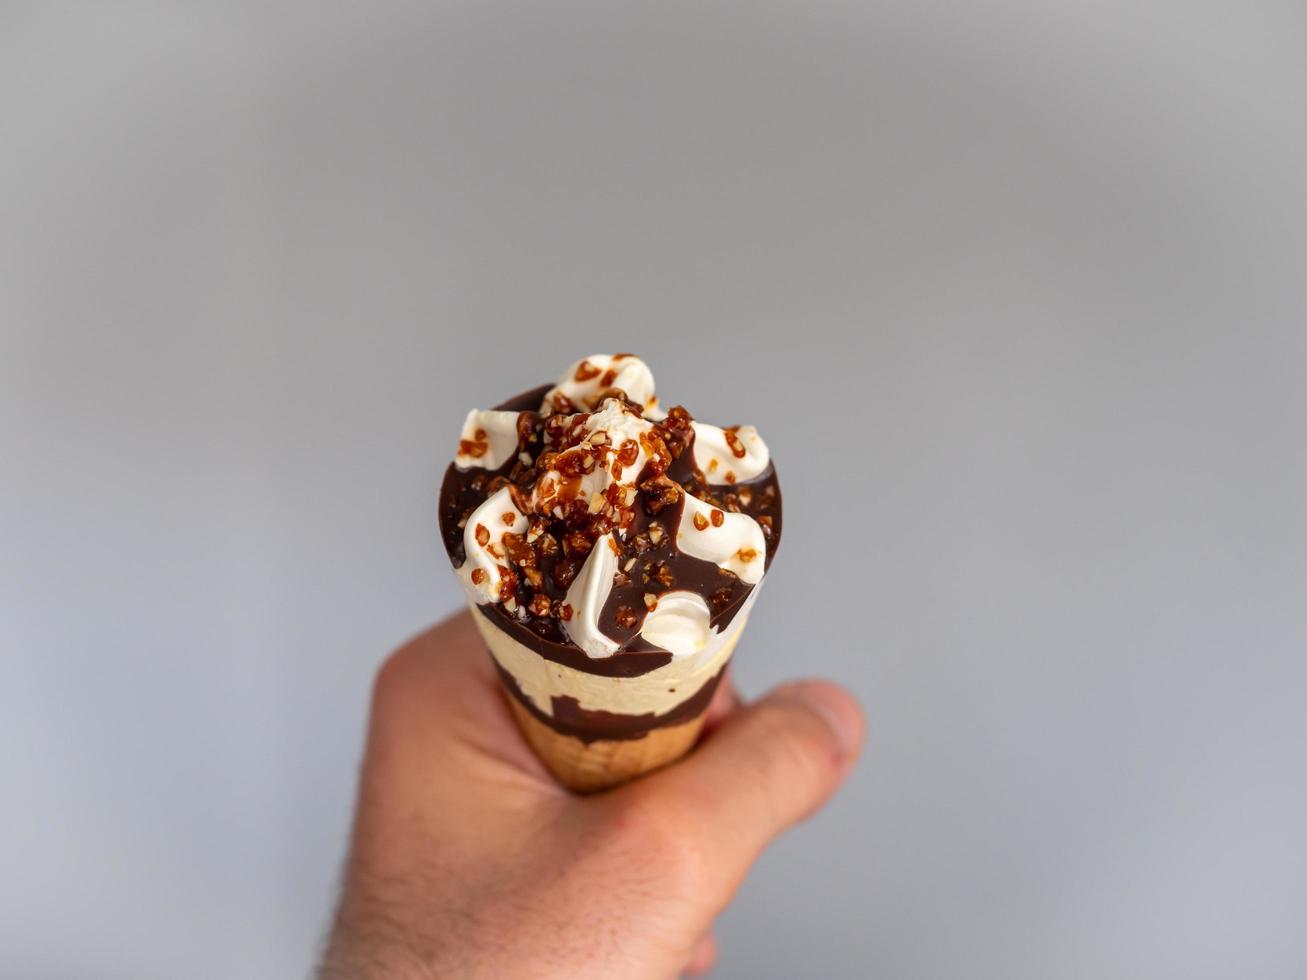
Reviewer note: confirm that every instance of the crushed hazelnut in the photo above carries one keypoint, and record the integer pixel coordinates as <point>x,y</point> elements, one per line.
<point>540,605</point>
<point>478,576</point>
<point>650,601</point>
<point>700,522</point>
<point>585,371</point>
<point>733,440</point>
<point>718,518</point>
<point>482,535</point>
<point>626,617</point>
<point>564,571</point>
<point>746,554</point>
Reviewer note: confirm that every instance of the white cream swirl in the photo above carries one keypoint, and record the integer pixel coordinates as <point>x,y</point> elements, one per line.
<point>731,455</point>
<point>733,541</point>
<point>483,542</point>
<point>587,596</point>
<point>586,380</point>
<point>488,439</point>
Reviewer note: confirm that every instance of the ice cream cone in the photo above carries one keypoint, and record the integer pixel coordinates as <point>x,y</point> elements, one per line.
<point>610,552</point>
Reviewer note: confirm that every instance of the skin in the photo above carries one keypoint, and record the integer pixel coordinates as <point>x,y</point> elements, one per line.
<point>468,860</point>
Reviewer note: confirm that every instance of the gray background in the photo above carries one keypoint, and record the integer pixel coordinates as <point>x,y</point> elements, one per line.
<point>1023,284</point>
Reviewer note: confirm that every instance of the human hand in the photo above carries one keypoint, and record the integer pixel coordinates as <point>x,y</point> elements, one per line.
<point>468,860</point>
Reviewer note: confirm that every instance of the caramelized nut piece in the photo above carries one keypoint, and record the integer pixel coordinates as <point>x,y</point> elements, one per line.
<point>626,617</point>
<point>585,371</point>
<point>718,518</point>
<point>478,576</point>
<point>650,601</point>
<point>700,522</point>
<point>482,535</point>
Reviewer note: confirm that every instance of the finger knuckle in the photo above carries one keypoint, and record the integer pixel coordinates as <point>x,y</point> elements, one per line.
<point>798,745</point>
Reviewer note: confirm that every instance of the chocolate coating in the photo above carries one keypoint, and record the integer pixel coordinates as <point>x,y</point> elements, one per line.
<point>658,568</point>
<point>569,718</point>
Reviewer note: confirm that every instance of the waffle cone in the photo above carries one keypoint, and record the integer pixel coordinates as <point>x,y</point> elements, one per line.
<point>589,766</point>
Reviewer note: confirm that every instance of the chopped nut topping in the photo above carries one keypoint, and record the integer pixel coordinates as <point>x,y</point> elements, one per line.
<point>733,440</point>
<point>517,549</point>
<point>563,572</point>
<point>576,481</point>
<point>507,584</point>
<point>720,599</point>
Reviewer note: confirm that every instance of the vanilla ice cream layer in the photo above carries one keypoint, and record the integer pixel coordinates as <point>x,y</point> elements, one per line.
<point>657,692</point>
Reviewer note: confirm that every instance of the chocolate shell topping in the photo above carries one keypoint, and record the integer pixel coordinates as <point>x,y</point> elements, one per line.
<point>541,564</point>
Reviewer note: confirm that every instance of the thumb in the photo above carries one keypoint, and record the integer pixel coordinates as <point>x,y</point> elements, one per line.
<point>767,767</point>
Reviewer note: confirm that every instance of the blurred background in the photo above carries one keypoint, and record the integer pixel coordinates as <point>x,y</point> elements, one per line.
<point>1026,281</point>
